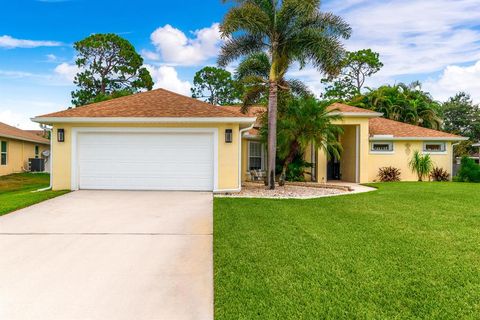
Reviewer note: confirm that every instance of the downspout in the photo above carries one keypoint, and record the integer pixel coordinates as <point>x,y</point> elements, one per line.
<point>240,134</point>
<point>44,127</point>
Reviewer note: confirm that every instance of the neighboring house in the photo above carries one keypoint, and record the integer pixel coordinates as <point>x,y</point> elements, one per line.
<point>160,140</point>
<point>17,146</point>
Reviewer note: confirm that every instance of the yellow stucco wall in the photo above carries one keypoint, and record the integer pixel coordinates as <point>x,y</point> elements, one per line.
<point>350,125</point>
<point>349,154</point>
<point>18,153</point>
<point>403,151</point>
<point>227,152</point>
<point>369,163</point>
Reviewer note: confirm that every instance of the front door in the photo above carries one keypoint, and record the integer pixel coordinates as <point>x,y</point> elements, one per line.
<point>333,169</point>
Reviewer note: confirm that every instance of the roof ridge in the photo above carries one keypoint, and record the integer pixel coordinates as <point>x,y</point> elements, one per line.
<point>152,101</point>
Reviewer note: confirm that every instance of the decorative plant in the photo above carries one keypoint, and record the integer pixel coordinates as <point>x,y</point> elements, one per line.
<point>420,164</point>
<point>389,174</point>
<point>439,174</point>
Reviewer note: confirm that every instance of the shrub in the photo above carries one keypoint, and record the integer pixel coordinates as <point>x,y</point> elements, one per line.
<point>421,165</point>
<point>439,174</point>
<point>469,171</point>
<point>389,174</point>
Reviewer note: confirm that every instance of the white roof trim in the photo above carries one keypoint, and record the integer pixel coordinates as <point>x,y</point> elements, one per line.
<point>392,138</point>
<point>48,120</point>
<point>476,145</point>
<point>357,114</point>
<point>22,139</point>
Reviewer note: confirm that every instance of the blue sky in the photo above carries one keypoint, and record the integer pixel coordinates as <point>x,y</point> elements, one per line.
<point>435,41</point>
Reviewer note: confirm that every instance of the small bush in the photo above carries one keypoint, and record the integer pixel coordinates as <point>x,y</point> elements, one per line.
<point>439,174</point>
<point>389,174</point>
<point>469,171</point>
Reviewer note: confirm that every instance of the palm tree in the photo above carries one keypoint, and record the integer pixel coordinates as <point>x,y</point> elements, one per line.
<point>253,73</point>
<point>304,121</point>
<point>289,31</point>
<point>401,102</point>
<point>422,165</point>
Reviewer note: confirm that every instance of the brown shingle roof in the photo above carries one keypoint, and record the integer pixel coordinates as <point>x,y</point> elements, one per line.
<point>39,133</point>
<point>19,134</point>
<point>350,109</point>
<point>382,126</point>
<point>151,104</point>
<point>252,111</point>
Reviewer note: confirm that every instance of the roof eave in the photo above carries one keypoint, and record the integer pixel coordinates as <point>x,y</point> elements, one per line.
<point>24,139</point>
<point>392,138</point>
<point>357,114</point>
<point>52,120</point>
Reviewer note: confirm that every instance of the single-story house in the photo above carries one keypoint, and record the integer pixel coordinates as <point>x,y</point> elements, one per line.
<point>160,140</point>
<point>369,142</point>
<point>17,146</point>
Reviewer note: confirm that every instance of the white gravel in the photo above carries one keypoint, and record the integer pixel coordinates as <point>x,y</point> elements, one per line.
<point>285,192</point>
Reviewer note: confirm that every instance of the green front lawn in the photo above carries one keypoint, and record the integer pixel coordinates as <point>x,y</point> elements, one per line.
<point>16,191</point>
<point>405,251</point>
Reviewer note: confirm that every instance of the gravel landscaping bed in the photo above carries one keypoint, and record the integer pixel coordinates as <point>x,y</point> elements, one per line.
<point>256,190</point>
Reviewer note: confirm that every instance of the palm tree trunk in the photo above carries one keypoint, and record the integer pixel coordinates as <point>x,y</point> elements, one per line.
<point>289,159</point>
<point>272,133</point>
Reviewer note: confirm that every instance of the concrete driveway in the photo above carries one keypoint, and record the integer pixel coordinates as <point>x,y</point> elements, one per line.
<point>109,255</point>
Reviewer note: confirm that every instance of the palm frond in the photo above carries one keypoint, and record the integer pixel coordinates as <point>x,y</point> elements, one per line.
<point>248,18</point>
<point>257,64</point>
<point>239,46</point>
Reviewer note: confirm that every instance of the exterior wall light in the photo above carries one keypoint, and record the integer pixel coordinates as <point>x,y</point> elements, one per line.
<point>228,135</point>
<point>61,135</point>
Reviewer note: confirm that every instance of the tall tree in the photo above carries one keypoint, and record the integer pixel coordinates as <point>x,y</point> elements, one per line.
<point>215,86</point>
<point>461,116</point>
<point>253,73</point>
<point>356,68</point>
<point>289,31</point>
<point>401,102</point>
<point>109,67</point>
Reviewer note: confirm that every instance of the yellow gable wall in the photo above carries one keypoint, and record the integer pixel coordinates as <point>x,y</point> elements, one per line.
<point>403,151</point>
<point>18,153</point>
<point>227,152</point>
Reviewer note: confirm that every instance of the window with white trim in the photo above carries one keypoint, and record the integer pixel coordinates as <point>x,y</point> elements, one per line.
<point>3,153</point>
<point>382,146</point>
<point>255,155</point>
<point>434,147</point>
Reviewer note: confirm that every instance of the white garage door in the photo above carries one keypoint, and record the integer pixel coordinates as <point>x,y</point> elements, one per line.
<point>145,161</point>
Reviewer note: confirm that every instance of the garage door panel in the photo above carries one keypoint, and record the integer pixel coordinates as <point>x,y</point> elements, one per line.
<point>145,161</point>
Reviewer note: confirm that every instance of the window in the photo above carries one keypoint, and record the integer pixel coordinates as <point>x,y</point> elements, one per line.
<point>255,155</point>
<point>37,151</point>
<point>3,153</point>
<point>434,147</point>
<point>382,146</point>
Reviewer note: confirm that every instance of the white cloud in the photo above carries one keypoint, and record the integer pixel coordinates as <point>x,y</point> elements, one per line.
<point>17,112</point>
<point>66,71</point>
<point>167,77</point>
<point>10,43</point>
<point>454,79</point>
<point>51,58</point>
<point>18,120</point>
<point>150,55</point>
<point>174,47</point>
<point>412,36</point>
